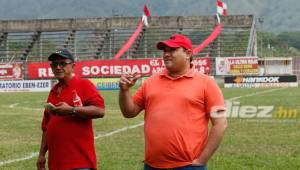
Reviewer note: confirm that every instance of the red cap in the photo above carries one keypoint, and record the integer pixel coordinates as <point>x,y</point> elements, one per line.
<point>176,41</point>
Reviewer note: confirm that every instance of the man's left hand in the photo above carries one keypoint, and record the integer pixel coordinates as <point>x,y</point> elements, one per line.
<point>62,109</point>
<point>198,162</point>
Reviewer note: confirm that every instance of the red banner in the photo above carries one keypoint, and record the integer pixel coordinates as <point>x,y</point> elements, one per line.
<point>11,71</point>
<point>112,68</point>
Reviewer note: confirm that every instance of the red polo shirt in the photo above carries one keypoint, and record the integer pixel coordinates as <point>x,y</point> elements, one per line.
<point>70,139</point>
<point>177,112</point>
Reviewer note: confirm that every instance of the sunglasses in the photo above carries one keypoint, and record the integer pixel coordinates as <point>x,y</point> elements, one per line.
<point>61,64</point>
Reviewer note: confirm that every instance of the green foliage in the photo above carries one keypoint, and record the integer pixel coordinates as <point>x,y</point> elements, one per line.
<point>273,45</point>
<point>291,38</point>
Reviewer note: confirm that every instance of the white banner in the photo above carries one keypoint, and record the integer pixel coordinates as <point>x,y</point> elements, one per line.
<point>236,65</point>
<point>25,86</point>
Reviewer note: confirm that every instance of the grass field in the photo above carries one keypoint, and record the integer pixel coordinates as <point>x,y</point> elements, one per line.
<point>249,143</point>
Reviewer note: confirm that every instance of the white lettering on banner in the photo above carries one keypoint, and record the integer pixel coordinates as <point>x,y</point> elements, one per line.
<point>154,63</point>
<point>126,69</point>
<point>85,71</point>
<point>42,72</point>
<point>117,70</point>
<point>136,70</point>
<point>200,62</point>
<point>157,70</point>
<point>114,70</point>
<point>145,68</point>
<point>45,72</point>
<point>261,80</point>
<point>94,70</point>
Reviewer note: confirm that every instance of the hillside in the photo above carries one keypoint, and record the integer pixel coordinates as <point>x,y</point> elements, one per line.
<point>278,15</point>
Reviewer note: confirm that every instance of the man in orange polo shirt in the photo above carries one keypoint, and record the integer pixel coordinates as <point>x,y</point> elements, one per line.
<point>178,104</point>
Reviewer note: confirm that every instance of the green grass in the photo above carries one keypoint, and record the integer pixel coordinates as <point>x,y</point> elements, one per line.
<point>254,143</point>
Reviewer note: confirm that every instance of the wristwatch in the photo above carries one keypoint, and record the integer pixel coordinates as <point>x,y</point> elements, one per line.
<point>73,113</point>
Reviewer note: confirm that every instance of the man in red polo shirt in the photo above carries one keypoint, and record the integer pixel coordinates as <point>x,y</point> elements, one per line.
<point>178,104</point>
<point>67,122</point>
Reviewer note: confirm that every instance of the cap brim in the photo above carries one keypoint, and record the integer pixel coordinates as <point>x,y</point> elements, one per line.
<point>162,45</point>
<point>53,55</point>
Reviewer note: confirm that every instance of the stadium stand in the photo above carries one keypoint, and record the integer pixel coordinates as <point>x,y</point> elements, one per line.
<point>101,38</point>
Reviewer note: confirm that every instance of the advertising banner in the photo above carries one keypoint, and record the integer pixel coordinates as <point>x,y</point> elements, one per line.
<point>11,71</point>
<point>112,68</point>
<point>260,81</point>
<point>236,65</point>
<point>25,86</point>
<point>106,83</point>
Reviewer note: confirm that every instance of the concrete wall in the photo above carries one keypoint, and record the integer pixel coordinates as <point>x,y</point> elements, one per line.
<point>120,22</point>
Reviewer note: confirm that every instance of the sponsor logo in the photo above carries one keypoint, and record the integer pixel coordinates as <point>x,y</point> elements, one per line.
<point>241,79</point>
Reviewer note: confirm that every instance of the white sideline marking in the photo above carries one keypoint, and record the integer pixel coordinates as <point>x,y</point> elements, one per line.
<point>32,155</point>
<point>119,130</point>
<point>35,154</point>
<point>41,109</point>
<point>13,105</point>
<point>37,109</point>
<point>256,93</point>
<point>22,108</point>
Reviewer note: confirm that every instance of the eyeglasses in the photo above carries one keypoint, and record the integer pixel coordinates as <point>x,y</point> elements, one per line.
<point>61,64</point>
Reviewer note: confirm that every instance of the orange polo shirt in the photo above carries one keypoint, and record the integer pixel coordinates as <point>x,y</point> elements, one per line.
<point>176,116</point>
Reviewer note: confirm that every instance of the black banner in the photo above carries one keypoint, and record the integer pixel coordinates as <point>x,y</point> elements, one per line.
<point>260,81</point>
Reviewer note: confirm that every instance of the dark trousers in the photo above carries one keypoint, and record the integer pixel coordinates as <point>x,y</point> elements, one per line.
<point>188,167</point>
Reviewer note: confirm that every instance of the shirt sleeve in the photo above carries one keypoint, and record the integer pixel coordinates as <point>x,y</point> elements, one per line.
<point>91,96</point>
<point>139,96</point>
<point>46,116</point>
<point>45,120</point>
<point>214,99</point>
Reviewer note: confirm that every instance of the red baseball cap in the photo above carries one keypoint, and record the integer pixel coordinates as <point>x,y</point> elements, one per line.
<point>176,41</point>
